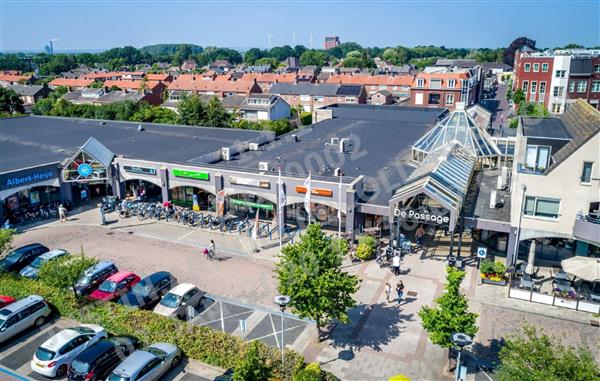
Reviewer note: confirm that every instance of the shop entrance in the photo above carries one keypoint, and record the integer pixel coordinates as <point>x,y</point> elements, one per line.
<point>145,190</point>
<point>193,198</point>
<point>246,205</point>
<point>19,203</point>
<point>89,193</point>
<point>322,214</point>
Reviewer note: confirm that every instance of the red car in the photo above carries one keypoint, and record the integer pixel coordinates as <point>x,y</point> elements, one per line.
<point>6,300</point>
<point>115,286</point>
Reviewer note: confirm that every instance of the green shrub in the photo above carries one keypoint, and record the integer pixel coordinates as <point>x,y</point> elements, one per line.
<point>6,237</point>
<point>499,267</point>
<point>306,118</point>
<point>64,272</point>
<point>312,372</point>
<point>200,343</point>
<point>366,247</point>
<point>486,267</point>
<point>252,366</point>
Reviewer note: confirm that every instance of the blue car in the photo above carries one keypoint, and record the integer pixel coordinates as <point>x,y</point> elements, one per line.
<point>32,271</point>
<point>149,290</point>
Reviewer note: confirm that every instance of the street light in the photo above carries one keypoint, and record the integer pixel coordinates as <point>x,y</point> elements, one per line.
<point>282,301</point>
<point>461,340</point>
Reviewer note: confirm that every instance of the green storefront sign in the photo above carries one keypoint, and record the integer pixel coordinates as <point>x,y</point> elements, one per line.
<point>191,174</point>
<point>251,204</point>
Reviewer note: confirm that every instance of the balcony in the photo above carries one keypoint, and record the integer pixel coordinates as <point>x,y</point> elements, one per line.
<point>587,228</point>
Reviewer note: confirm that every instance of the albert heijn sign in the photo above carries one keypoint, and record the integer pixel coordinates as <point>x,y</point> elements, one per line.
<point>29,176</point>
<point>423,215</point>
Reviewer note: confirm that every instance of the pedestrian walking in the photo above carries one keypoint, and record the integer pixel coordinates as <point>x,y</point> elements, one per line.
<point>400,290</point>
<point>102,216</point>
<point>396,264</point>
<point>419,235</point>
<point>84,195</point>
<point>388,292</point>
<point>62,213</point>
<point>212,249</point>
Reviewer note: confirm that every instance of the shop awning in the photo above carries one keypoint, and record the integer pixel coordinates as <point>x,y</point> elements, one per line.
<point>444,175</point>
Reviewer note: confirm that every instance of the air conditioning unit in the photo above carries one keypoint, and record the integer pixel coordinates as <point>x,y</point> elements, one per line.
<point>263,166</point>
<point>253,146</point>
<point>225,153</point>
<point>140,128</point>
<point>295,138</point>
<point>493,200</point>
<point>334,141</point>
<point>344,142</point>
<point>337,172</point>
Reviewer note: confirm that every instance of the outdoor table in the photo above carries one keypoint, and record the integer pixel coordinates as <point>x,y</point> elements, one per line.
<point>562,275</point>
<point>563,285</point>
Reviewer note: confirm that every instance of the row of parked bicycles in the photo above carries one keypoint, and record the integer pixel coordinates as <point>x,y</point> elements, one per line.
<point>35,214</point>
<point>193,219</point>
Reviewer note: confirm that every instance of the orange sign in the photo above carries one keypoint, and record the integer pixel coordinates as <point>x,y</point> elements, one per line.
<point>315,191</point>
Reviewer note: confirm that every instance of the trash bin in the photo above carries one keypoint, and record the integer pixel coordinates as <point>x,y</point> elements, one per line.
<point>451,261</point>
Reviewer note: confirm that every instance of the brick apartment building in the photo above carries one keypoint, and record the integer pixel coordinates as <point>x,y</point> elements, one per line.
<point>266,80</point>
<point>221,89</point>
<point>331,42</point>
<point>398,86</point>
<point>312,96</point>
<point>152,90</point>
<point>558,78</point>
<point>444,87</point>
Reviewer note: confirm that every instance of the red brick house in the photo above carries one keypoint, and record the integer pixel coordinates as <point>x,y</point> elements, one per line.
<point>153,90</point>
<point>221,89</point>
<point>266,80</point>
<point>311,96</point>
<point>443,87</point>
<point>71,83</point>
<point>533,74</point>
<point>398,86</point>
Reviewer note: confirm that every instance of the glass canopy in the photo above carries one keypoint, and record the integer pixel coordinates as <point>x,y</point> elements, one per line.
<point>458,126</point>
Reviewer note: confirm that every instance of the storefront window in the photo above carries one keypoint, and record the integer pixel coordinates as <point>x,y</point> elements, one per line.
<point>194,198</point>
<point>323,214</point>
<point>246,205</point>
<point>84,167</point>
<point>33,197</point>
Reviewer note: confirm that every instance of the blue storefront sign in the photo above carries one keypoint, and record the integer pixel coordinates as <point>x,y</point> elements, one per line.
<point>140,170</point>
<point>85,170</point>
<point>34,177</point>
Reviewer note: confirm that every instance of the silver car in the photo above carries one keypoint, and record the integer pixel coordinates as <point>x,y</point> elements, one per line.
<point>147,364</point>
<point>33,270</point>
<point>22,314</point>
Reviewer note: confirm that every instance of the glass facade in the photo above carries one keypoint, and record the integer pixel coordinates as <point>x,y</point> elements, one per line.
<point>193,198</point>
<point>246,205</point>
<point>32,197</point>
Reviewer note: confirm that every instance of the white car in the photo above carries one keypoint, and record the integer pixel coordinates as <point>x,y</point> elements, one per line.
<point>176,301</point>
<point>54,356</point>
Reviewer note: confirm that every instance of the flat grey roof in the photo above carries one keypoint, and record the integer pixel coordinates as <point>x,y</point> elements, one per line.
<point>36,140</point>
<point>552,128</point>
<point>381,150</point>
<point>477,204</point>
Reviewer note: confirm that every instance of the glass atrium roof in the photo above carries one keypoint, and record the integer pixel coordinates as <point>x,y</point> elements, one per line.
<point>458,126</point>
<point>444,175</point>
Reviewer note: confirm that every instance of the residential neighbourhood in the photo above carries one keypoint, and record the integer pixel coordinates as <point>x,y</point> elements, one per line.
<point>288,204</point>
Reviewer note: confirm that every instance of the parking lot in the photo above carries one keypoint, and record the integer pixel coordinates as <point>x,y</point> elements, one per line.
<point>16,354</point>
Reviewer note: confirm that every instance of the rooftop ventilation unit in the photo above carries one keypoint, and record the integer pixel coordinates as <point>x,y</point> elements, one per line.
<point>141,128</point>
<point>295,138</point>
<point>253,146</point>
<point>334,141</point>
<point>337,172</point>
<point>500,183</point>
<point>493,200</point>
<point>344,145</point>
<point>225,153</point>
<point>263,166</point>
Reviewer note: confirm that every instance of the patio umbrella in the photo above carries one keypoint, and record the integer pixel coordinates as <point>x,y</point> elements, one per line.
<point>399,377</point>
<point>530,260</point>
<point>586,268</point>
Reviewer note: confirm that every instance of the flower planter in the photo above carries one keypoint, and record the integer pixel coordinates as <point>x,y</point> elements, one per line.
<point>494,282</point>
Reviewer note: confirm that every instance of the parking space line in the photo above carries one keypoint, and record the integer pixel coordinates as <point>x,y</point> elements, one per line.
<point>274,331</point>
<point>224,317</point>
<point>222,320</point>
<point>185,235</point>
<point>12,374</point>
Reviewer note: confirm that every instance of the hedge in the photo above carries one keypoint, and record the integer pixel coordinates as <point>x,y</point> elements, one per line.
<point>199,343</point>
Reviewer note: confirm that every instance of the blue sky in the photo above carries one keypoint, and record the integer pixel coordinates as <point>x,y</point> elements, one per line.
<point>99,24</point>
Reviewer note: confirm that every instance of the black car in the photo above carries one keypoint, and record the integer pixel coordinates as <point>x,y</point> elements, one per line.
<point>101,358</point>
<point>149,290</point>
<point>93,277</point>
<point>22,257</point>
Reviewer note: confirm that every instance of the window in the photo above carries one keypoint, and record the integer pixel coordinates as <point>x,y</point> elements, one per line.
<point>557,91</point>
<point>596,68</point>
<point>537,157</point>
<point>586,173</point>
<point>452,83</point>
<point>541,207</point>
<point>536,67</point>
<point>556,108</point>
<point>595,86</point>
<point>434,99</point>
<point>420,82</point>
<point>560,73</point>
<point>449,99</point>
<point>543,87</point>
<point>527,67</point>
<point>581,86</point>
<point>571,86</point>
<point>525,86</point>
<point>435,84</point>
<point>533,87</point>
<point>545,67</point>
<point>319,98</point>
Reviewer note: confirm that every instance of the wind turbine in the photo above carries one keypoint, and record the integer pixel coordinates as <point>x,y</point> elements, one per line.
<point>270,38</point>
<point>52,45</point>
<point>311,40</point>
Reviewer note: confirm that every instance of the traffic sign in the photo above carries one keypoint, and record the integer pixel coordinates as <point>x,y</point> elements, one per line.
<point>481,252</point>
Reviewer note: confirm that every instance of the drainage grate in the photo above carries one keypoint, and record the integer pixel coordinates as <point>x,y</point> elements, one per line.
<point>110,233</point>
<point>411,293</point>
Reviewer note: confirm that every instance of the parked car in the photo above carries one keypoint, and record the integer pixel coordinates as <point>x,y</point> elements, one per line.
<point>22,314</point>
<point>115,286</point>
<point>98,360</point>
<point>176,301</point>
<point>54,356</point>
<point>33,270</point>
<point>21,257</point>
<point>147,364</point>
<point>226,376</point>
<point>5,300</point>
<point>93,277</point>
<point>149,290</point>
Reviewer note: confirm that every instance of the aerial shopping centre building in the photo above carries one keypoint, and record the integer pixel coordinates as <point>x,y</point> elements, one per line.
<point>387,168</point>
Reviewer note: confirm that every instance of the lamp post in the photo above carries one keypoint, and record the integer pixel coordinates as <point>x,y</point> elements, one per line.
<point>282,301</point>
<point>461,340</point>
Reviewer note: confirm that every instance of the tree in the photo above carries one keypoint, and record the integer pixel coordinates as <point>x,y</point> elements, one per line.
<point>252,367</point>
<point>532,356</point>
<point>310,272</point>
<point>518,96</point>
<point>313,57</point>
<point>312,372</point>
<point>450,314</point>
<point>251,55</point>
<point>6,237</point>
<point>191,110</point>
<point>154,114</point>
<point>216,115</point>
<point>272,62</point>
<point>517,44</point>
<point>10,102</point>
